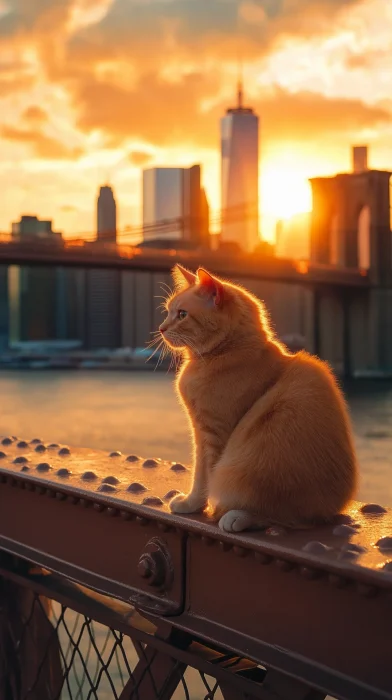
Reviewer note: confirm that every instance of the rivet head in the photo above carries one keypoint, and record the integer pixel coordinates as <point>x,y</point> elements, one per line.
<point>53,445</point>
<point>373,509</point>
<point>63,472</point>
<point>40,448</point>
<point>35,441</point>
<point>112,512</point>
<point>137,488</point>
<point>384,544</point>
<point>107,488</point>
<point>64,451</point>
<point>98,507</point>
<point>111,480</point>
<point>344,530</point>
<point>89,476</point>
<point>22,443</point>
<point>151,567</point>
<point>316,548</point>
<point>150,463</point>
<point>171,494</point>
<point>152,501</point>
<point>6,441</point>
<point>178,467</point>
<point>43,467</point>
<point>132,458</point>
<point>20,460</point>
<point>115,454</point>
<point>25,468</point>
<point>2,455</point>
<point>275,531</point>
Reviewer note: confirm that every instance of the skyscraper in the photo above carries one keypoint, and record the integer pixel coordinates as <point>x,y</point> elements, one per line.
<point>240,176</point>
<point>106,215</point>
<point>175,208</point>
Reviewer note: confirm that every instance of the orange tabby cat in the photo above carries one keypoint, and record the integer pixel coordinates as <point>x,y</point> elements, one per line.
<point>272,437</point>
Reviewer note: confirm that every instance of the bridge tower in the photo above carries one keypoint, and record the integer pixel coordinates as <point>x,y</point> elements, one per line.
<point>351,227</point>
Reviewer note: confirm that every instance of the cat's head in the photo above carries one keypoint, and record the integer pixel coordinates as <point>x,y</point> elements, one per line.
<point>206,313</point>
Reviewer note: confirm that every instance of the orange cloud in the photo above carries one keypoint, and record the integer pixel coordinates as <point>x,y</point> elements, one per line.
<point>139,158</point>
<point>35,114</point>
<point>43,146</point>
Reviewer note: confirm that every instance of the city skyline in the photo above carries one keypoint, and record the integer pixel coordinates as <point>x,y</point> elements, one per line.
<point>82,105</point>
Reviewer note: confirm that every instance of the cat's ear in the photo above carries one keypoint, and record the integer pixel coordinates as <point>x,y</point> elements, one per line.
<point>182,277</point>
<point>211,286</point>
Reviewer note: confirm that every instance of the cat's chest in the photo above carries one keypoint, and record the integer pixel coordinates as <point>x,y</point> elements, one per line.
<point>201,389</point>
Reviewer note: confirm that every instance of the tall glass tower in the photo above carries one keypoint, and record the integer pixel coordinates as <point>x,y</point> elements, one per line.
<point>106,215</point>
<point>240,176</point>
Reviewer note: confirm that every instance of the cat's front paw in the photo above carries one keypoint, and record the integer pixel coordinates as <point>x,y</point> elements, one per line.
<point>236,521</point>
<point>186,504</point>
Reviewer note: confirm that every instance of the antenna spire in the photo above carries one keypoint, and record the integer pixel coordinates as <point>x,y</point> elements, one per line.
<point>240,86</point>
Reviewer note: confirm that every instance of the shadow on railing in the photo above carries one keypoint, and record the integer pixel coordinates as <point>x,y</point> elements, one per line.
<point>105,594</point>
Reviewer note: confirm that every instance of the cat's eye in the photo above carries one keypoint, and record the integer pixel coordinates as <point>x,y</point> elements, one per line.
<point>182,314</point>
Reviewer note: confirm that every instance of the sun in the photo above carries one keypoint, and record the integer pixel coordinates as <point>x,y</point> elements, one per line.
<point>285,191</point>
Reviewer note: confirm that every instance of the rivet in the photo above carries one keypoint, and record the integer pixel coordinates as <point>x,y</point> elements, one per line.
<point>89,476</point>
<point>208,541</point>
<point>20,460</point>
<point>25,469</point>
<point>40,448</point>
<point>178,467</point>
<point>309,573</point>
<point>132,458</point>
<point>316,548</point>
<point>344,530</point>
<point>152,501</point>
<point>373,509</point>
<point>141,521</point>
<point>263,558</point>
<point>84,503</point>
<point>384,544</point>
<point>43,467</point>
<point>64,451</point>
<point>2,455</point>
<point>98,507</point>
<point>171,494</point>
<point>150,463</point>
<point>6,441</point>
<point>63,472</point>
<point>112,512</point>
<point>60,496</point>
<point>225,546</point>
<point>35,441</point>
<point>136,488</point>
<point>107,488</point>
<point>275,531</point>
<point>284,565</point>
<point>53,445</point>
<point>22,443</point>
<point>125,515</point>
<point>115,454</point>
<point>110,480</point>
<point>240,551</point>
<point>367,591</point>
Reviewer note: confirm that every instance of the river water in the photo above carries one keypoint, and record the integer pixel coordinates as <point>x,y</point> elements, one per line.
<point>138,412</point>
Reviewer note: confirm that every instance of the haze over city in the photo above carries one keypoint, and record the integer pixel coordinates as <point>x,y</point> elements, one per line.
<point>94,90</point>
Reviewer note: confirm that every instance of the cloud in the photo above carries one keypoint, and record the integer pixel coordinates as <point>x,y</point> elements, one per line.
<point>139,158</point>
<point>43,146</point>
<point>35,114</point>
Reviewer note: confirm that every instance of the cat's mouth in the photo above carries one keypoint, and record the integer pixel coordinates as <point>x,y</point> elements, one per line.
<point>174,343</point>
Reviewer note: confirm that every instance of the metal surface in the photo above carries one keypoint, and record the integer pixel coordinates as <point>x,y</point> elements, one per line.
<point>314,605</point>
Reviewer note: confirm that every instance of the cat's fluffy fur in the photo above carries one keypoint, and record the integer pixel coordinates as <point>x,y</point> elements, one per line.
<point>272,436</point>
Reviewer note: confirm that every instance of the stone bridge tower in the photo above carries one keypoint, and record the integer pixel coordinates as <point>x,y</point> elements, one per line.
<point>351,227</point>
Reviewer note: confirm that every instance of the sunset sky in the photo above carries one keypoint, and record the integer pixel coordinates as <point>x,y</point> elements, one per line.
<point>93,90</point>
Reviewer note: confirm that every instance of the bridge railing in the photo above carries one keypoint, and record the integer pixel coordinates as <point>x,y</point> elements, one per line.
<point>105,594</point>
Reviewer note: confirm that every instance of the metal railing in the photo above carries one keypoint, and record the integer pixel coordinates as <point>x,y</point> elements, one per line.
<point>105,594</point>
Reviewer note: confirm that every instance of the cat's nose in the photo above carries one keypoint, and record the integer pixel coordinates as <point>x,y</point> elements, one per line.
<point>163,327</point>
